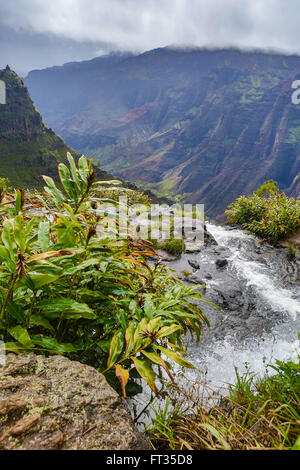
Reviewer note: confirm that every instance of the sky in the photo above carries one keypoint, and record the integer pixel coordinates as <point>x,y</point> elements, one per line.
<point>39,33</point>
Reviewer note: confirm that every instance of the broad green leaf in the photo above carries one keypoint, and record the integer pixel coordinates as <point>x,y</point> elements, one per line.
<point>74,171</point>
<point>122,318</point>
<point>21,335</point>
<point>129,337</point>
<point>82,266</point>
<point>16,312</point>
<point>41,279</point>
<point>8,237</point>
<point>70,307</point>
<point>104,344</point>
<point>154,324</point>
<point>116,347</point>
<point>174,356</point>
<point>67,182</point>
<point>83,169</point>
<point>12,347</point>
<point>18,202</point>
<point>109,183</point>
<point>176,347</point>
<point>216,434</point>
<point>30,225</point>
<point>44,235</point>
<point>149,307</point>
<point>50,344</point>
<point>157,359</point>
<point>138,335</point>
<point>54,191</point>
<point>41,321</point>
<point>5,255</point>
<point>123,376</point>
<point>146,373</point>
<point>19,232</point>
<point>167,330</point>
<point>296,446</point>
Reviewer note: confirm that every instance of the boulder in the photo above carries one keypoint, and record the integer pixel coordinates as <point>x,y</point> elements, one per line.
<point>221,263</point>
<point>208,237</point>
<point>55,403</point>
<point>194,263</point>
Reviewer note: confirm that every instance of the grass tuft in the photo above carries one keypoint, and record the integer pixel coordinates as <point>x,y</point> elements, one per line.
<point>257,414</point>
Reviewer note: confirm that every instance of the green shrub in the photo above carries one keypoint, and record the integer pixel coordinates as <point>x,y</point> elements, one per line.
<point>173,246</point>
<point>271,215</point>
<point>267,188</point>
<point>64,290</point>
<point>4,187</point>
<point>246,210</point>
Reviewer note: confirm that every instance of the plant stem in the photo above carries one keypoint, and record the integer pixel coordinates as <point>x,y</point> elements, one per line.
<point>8,296</point>
<point>31,308</point>
<point>81,200</point>
<point>58,325</point>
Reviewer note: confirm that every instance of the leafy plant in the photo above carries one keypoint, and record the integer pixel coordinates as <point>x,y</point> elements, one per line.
<point>266,213</point>
<point>267,188</point>
<point>65,290</point>
<point>174,246</point>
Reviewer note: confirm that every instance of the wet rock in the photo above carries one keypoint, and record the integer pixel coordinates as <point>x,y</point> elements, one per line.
<point>207,276</point>
<point>165,256</point>
<point>221,250</point>
<point>192,246</point>
<point>195,279</point>
<point>54,403</point>
<point>194,263</point>
<point>221,263</point>
<point>208,237</point>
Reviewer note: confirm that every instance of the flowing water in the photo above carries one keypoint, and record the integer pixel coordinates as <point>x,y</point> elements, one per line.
<point>259,321</point>
<point>259,294</point>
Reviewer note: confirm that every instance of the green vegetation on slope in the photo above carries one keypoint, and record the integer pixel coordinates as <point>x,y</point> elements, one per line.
<point>207,125</point>
<point>27,147</point>
<point>173,246</point>
<point>267,213</point>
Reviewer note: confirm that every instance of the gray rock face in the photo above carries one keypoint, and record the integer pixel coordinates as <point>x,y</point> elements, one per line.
<point>55,403</point>
<point>194,263</point>
<point>208,237</point>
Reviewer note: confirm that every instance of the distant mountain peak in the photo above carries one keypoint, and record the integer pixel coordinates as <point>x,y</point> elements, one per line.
<point>208,124</point>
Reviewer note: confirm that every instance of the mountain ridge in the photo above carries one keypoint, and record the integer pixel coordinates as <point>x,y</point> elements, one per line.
<point>28,148</point>
<point>207,125</point>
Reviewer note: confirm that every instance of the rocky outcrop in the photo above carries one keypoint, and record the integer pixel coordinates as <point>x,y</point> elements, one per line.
<point>28,148</point>
<point>195,264</point>
<point>54,403</point>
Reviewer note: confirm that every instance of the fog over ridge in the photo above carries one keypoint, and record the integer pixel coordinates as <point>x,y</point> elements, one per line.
<point>32,29</point>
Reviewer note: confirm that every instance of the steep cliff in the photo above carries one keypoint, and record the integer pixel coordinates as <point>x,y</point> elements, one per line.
<point>209,125</point>
<point>27,147</point>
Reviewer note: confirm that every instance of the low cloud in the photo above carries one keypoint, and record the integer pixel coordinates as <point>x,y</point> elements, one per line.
<point>146,24</point>
<point>139,25</point>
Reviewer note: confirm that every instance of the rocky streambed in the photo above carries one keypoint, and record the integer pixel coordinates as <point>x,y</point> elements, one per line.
<point>257,288</point>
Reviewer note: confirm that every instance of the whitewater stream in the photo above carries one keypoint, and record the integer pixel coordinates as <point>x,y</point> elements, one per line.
<point>259,296</point>
<point>258,292</point>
